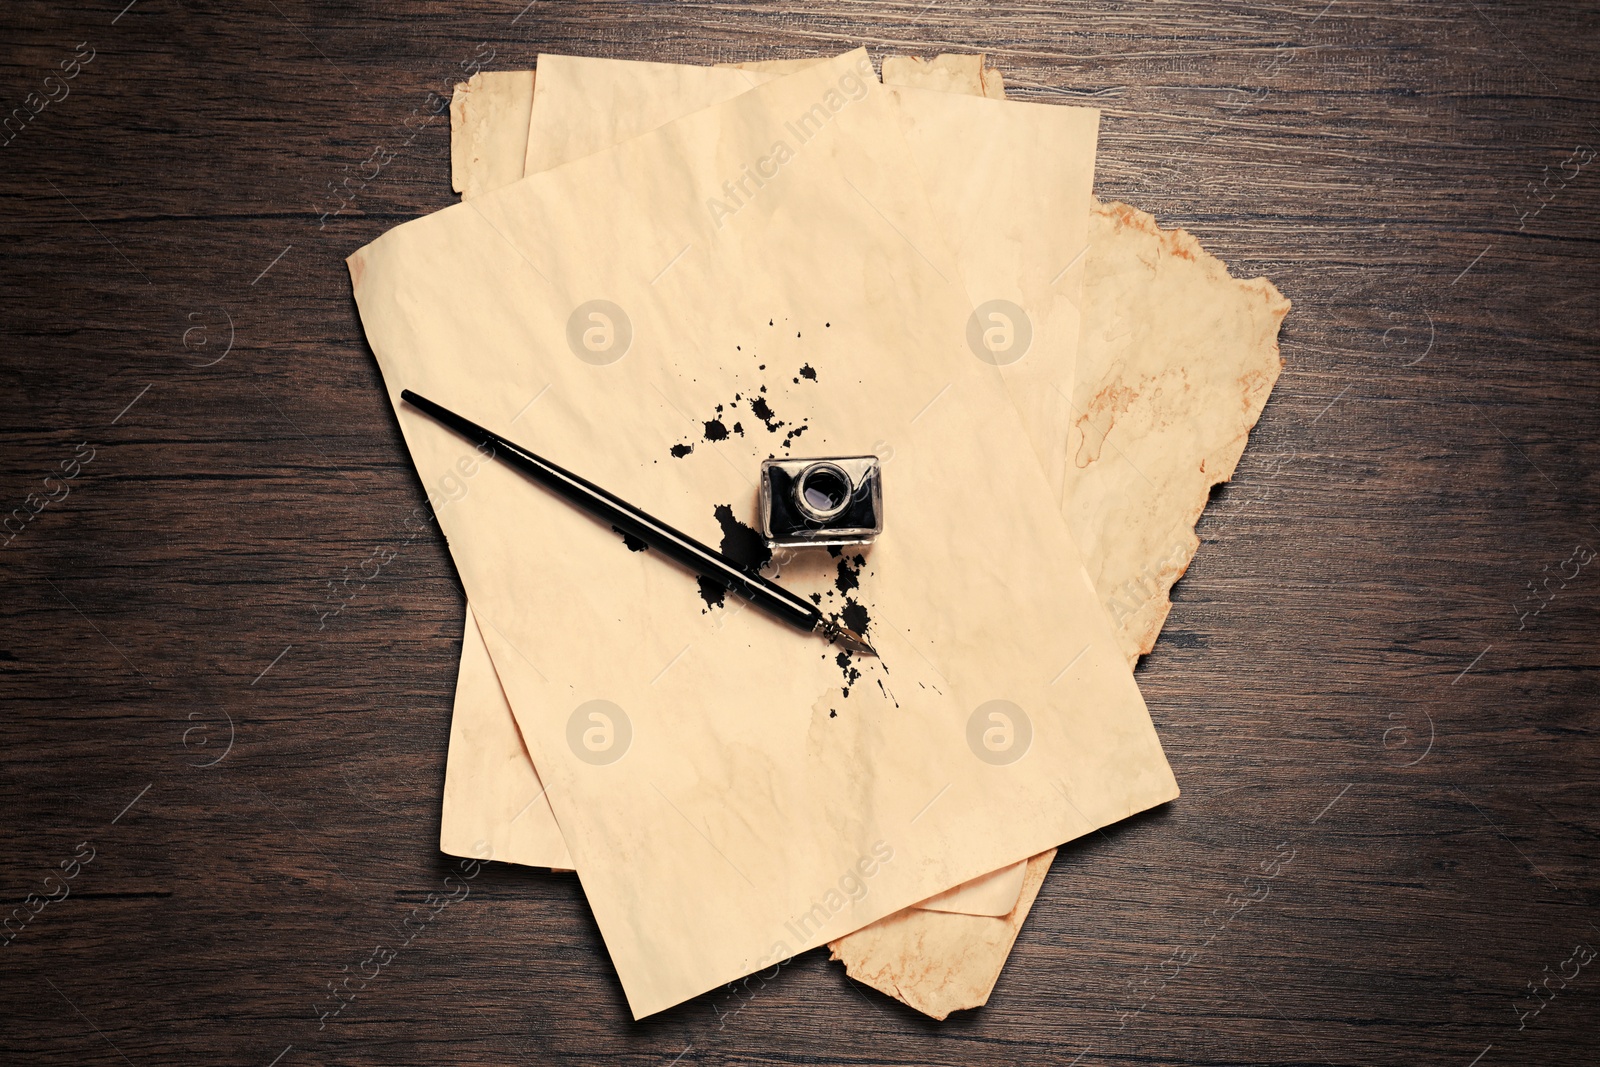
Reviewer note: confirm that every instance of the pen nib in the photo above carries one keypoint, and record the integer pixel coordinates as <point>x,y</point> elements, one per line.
<point>847,638</point>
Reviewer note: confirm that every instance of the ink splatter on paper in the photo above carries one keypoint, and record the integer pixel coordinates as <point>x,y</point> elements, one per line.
<point>855,617</point>
<point>712,593</point>
<point>717,428</point>
<point>850,612</point>
<point>740,543</point>
<point>633,543</point>
<point>841,602</point>
<point>763,411</point>
<point>851,673</point>
<point>849,574</point>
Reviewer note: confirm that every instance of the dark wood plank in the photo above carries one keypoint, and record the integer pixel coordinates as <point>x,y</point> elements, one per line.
<point>1344,675</point>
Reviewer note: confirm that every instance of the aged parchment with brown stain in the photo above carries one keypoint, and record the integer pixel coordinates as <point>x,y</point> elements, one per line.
<point>1175,363</point>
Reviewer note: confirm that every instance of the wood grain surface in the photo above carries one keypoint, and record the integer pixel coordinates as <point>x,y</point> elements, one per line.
<point>1355,688</point>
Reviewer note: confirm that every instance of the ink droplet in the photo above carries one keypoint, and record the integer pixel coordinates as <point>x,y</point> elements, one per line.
<point>763,411</point>
<point>712,593</point>
<point>741,543</point>
<point>679,451</point>
<point>633,543</point>
<point>846,579</point>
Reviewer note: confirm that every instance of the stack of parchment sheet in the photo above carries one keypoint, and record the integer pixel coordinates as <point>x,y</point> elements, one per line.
<point>661,275</point>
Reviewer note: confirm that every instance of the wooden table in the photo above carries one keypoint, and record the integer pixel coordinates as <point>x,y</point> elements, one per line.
<point>1354,676</point>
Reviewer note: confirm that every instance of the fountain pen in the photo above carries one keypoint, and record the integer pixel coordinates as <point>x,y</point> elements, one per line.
<point>677,546</point>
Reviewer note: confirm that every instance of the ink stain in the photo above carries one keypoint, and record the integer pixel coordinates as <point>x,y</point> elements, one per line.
<point>851,673</point>
<point>763,411</point>
<point>856,616</point>
<point>712,593</point>
<point>847,578</point>
<point>742,543</point>
<point>717,427</point>
<point>633,543</point>
<point>852,614</point>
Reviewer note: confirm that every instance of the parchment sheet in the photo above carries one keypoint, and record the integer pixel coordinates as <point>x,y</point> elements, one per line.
<point>492,794</point>
<point>1134,272</point>
<point>480,323</point>
<point>486,113</point>
<point>1018,216</point>
<point>1012,215</point>
<point>938,963</point>
<point>1178,359</point>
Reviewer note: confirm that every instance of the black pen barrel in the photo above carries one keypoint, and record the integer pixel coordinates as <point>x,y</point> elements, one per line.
<point>609,508</point>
